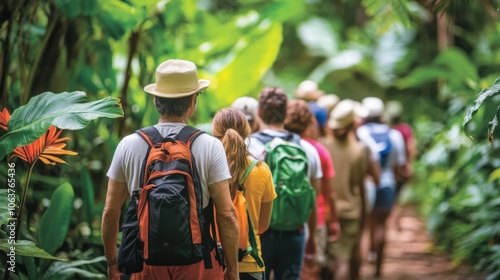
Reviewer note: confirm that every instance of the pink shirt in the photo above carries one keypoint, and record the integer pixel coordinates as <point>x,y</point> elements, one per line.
<point>328,173</point>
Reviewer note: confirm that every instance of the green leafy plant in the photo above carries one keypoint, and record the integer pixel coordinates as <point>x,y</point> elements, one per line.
<point>31,136</point>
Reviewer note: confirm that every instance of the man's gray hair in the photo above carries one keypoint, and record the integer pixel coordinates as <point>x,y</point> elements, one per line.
<point>172,106</point>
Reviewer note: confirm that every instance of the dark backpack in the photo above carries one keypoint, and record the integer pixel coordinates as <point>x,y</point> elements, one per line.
<point>288,163</point>
<point>166,224</point>
<point>380,133</point>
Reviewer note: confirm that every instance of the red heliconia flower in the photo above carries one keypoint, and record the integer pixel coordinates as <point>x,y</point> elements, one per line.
<point>44,148</point>
<point>4,118</point>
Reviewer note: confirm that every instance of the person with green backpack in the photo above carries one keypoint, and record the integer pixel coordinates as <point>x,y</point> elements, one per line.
<point>251,188</point>
<point>296,172</point>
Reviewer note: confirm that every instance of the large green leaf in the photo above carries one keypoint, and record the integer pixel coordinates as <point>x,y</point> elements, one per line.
<point>391,49</point>
<point>87,188</point>
<point>242,75</point>
<point>319,37</point>
<point>54,223</point>
<point>63,110</point>
<point>484,96</point>
<point>27,248</point>
<point>384,13</point>
<point>74,270</point>
<point>5,212</point>
<point>451,65</point>
<point>118,17</point>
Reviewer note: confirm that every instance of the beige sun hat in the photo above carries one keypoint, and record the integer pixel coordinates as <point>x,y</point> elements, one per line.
<point>328,101</point>
<point>342,115</point>
<point>308,90</point>
<point>374,105</point>
<point>176,78</point>
<point>360,110</point>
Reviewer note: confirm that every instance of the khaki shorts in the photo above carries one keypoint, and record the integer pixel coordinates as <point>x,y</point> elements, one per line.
<point>349,237</point>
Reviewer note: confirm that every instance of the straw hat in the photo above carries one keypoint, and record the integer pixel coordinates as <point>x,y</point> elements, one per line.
<point>360,110</point>
<point>394,108</point>
<point>308,90</point>
<point>328,101</point>
<point>374,105</point>
<point>247,105</point>
<point>342,115</point>
<point>176,78</point>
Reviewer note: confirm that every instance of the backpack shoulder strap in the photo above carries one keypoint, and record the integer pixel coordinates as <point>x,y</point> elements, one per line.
<point>251,235</point>
<point>188,134</point>
<point>151,136</point>
<point>249,168</point>
<point>293,137</point>
<point>262,137</point>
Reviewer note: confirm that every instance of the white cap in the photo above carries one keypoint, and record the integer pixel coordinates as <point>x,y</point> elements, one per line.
<point>247,105</point>
<point>374,105</point>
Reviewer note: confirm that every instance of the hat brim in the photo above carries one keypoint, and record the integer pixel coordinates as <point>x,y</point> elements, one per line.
<point>151,89</point>
<point>310,95</point>
<point>334,124</point>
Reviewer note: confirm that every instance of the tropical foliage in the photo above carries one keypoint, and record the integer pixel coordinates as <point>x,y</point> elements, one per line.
<point>433,56</point>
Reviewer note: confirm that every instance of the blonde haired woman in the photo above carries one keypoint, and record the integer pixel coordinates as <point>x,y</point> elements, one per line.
<point>232,128</point>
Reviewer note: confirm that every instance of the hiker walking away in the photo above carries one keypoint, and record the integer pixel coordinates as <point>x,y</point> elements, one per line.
<point>301,120</point>
<point>296,170</point>
<point>394,112</point>
<point>350,158</point>
<point>252,179</point>
<point>194,191</point>
<point>248,106</point>
<point>392,158</point>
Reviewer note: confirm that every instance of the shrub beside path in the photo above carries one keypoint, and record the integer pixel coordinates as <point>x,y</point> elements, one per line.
<point>410,255</point>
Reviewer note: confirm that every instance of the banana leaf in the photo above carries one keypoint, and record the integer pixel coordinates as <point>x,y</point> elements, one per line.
<point>27,248</point>
<point>63,110</point>
<point>484,96</point>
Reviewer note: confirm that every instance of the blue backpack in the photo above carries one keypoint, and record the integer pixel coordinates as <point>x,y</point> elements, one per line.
<point>380,133</point>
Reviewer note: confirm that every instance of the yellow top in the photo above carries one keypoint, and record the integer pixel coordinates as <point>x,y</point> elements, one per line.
<point>259,188</point>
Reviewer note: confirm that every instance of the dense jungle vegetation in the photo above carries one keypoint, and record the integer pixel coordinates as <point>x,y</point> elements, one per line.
<point>440,58</point>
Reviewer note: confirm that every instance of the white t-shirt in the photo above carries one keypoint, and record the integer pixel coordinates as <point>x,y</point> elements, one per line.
<point>314,171</point>
<point>397,154</point>
<point>208,152</point>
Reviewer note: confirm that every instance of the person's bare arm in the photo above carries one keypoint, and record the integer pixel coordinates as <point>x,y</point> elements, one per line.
<point>116,195</point>
<point>266,209</point>
<point>312,222</point>
<point>227,224</point>
<point>374,170</point>
<point>329,195</point>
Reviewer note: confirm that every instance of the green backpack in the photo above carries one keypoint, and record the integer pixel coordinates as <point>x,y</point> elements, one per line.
<point>288,164</point>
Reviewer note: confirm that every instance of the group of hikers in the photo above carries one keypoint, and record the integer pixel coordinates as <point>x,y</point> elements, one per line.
<point>277,189</point>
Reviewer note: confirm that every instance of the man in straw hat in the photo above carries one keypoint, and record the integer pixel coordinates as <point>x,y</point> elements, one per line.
<point>175,94</point>
<point>350,159</point>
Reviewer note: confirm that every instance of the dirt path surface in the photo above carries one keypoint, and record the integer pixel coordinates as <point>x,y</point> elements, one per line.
<point>409,255</point>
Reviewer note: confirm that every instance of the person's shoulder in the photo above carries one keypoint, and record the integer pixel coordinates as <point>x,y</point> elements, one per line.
<point>308,148</point>
<point>131,140</point>
<point>205,139</point>
<point>395,134</point>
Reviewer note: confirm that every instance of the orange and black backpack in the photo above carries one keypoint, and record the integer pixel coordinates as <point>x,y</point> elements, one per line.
<point>166,224</point>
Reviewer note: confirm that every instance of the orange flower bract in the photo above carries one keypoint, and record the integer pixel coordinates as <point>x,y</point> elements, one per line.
<point>45,148</point>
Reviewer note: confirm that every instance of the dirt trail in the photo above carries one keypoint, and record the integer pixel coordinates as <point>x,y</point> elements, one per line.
<point>409,255</point>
